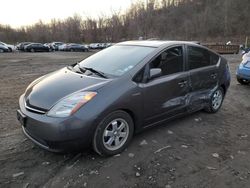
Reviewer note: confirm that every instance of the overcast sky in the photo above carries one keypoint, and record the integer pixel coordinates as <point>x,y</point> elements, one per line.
<point>17,13</point>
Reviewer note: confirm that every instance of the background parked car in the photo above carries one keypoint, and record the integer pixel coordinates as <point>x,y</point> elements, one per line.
<point>22,45</point>
<point>76,48</point>
<point>36,47</point>
<point>9,46</point>
<point>100,45</point>
<point>62,47</point>
<point>50,46</point>
<point>95,46</point>
<point>3,48</point>
<point>245,50</point>
<point>109,44</point>
<point>243,71</point>
<point>56,45</point>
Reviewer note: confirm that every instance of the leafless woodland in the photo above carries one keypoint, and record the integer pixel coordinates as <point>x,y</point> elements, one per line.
<point>203,20</point>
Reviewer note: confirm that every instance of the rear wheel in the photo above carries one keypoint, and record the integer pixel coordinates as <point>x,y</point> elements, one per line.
<point>1,50</point>
<point>216,101</point>
<point>242,81</point>
<point>113,134</point>
<point>32,50</point>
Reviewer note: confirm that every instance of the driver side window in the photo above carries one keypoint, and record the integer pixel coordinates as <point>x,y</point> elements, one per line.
<point>169,61</point>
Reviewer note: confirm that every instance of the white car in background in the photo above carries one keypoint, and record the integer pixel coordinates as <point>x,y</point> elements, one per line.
<point>62,47</point>
<point>3,48</point>
<point>9,46</point>
<point>95,46</point>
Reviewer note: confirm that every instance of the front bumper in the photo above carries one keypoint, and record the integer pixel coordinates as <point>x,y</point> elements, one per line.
<point>247,78</point>
<point>243,73</point>
<point>55,134</point>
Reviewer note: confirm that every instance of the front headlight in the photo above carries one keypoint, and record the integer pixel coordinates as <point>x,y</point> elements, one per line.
<point>70,104</point>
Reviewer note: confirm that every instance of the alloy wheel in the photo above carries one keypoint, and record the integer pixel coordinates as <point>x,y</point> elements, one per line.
<point>115,134</point>
<point>217,99</point>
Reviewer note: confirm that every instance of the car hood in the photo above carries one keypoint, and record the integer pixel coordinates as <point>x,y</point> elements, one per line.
<point>2,46</point>
<point>44,92</point>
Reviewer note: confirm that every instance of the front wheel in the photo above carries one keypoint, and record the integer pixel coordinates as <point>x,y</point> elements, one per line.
<point>216,101</point>
<point>113,134</point>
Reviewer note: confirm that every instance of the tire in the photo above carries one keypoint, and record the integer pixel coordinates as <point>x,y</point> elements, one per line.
<point>72,50</point>
<point>1,51</point>
<point>32,50</point>
<point>113,134</point>
<point>216,100</point>
<point>10,50</point>
<point>242,81</point>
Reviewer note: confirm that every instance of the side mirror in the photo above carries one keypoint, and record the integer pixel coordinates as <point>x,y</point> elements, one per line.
<point>155,72</point>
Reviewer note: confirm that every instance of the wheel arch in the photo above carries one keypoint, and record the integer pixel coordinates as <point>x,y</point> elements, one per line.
<point>132,115</point>
<point>224,88</point>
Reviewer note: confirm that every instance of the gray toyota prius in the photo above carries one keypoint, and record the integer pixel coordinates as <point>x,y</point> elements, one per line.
<point>105,99</point>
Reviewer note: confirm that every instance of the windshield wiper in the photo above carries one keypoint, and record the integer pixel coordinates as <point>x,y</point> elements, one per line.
<point>83,70</point>
<point>94,71</point>
<point>80,68</point>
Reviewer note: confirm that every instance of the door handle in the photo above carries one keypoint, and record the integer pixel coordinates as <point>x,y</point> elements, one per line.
<point>213,75</point>
<point>182,83</point>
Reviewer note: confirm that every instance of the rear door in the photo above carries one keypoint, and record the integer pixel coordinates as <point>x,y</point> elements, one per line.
<point>164,96</point>
<point>203,70</point>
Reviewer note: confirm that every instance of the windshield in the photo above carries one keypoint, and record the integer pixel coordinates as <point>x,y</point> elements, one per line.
<point>247,65</point>
<point>117,60</point>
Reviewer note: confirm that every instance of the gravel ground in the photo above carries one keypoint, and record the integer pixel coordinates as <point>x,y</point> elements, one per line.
<point>200,150</point>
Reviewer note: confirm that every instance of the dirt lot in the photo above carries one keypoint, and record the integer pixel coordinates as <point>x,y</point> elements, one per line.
<point>201,150</point>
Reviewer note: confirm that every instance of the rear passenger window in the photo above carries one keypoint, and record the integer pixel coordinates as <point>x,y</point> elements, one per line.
<point>199,57</point>
<point>169,61</point>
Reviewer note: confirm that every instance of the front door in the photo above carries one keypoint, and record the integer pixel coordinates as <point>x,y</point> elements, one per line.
<point>165,96</point>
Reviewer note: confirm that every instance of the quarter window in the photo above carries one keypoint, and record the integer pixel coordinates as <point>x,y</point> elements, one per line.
<point>139,76</point>
<point>170,61</point>
<point>214,58</point>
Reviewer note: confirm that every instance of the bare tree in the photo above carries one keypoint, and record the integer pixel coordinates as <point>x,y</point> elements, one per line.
<point>204,20</point>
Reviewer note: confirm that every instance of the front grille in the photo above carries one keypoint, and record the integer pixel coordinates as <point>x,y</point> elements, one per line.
<point>32,109</point>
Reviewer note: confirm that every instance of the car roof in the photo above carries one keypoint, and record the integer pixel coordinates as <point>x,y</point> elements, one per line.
<point>154,43</point>
<point>35,43</point>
